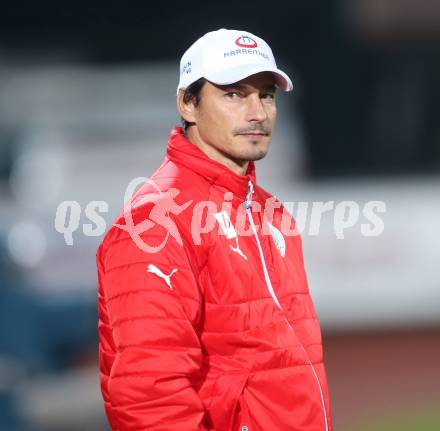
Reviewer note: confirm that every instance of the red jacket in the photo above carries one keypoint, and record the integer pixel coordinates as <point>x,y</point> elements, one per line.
<point>205,317</point>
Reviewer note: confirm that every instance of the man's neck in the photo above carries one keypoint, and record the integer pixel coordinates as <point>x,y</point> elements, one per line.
<point>238,166</point>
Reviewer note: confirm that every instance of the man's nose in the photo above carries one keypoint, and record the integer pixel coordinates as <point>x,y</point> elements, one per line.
<point>255,109</point>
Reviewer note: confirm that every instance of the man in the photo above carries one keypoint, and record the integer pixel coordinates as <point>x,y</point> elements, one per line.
<point>205,317</point>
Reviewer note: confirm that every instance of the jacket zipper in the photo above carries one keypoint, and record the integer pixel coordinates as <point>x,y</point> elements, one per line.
<point>247,204</point>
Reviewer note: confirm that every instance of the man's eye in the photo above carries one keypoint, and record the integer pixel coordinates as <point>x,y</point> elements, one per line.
<point>268,96</point>
<point>232,94</point>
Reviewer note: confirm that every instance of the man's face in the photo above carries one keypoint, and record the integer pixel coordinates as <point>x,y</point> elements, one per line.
<point>235,122</point>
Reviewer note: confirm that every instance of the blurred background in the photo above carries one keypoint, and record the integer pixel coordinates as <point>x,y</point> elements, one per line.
<point>87,101</point>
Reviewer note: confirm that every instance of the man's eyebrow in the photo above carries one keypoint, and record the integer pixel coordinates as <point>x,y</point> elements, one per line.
<point>268,87</point>
<point>234,86</point>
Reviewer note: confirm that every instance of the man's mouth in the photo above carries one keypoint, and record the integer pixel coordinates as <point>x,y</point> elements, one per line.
<point>254,134</point>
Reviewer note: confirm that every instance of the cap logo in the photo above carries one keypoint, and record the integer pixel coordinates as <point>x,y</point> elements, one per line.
<point>186,68</point>
<point>245,41</point>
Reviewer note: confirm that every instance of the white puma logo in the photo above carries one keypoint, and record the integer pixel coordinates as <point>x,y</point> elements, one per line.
<point>225,223</point>
<point>237,249</point>
<point>155,270</point>
<point>228,229</point>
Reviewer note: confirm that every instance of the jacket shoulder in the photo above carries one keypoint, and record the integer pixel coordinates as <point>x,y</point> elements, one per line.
<point>160,208</point>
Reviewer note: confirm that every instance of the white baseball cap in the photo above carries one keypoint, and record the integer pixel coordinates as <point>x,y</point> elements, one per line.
<point>228,56</point>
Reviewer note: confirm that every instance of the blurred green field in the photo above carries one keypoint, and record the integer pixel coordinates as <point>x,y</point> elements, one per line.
<point>426,419</point>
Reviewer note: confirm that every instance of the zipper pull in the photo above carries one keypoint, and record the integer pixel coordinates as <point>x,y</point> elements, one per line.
<point>250,191</point>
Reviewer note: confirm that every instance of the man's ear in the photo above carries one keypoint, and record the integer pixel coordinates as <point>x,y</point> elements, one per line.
<point>186,109</point>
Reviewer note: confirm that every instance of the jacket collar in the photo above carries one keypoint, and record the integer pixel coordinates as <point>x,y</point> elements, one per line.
<point>182,151</point>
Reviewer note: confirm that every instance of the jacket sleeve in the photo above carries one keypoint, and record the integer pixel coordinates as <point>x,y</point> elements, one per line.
<point>149,351</point>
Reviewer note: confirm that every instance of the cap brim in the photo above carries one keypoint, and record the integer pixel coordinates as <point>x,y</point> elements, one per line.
<point>233,75</point>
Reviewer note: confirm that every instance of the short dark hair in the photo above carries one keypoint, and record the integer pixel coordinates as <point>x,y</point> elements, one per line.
<point>193,91</point>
